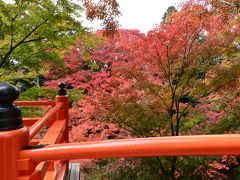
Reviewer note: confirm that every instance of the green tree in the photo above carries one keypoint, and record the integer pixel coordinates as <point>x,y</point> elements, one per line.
<point>168,12</point>
<point>32,32</point>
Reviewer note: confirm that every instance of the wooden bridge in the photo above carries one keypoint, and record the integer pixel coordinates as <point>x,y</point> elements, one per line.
<point>26,158</point>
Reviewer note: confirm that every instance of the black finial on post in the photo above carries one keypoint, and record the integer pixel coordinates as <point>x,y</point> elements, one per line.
<point>10,115</point>
<point>62,91</point>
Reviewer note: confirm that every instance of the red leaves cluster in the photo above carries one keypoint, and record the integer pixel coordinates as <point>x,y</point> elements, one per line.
<point>137,71</point>
<point>220,169</point>
<point>106,10</point>
<point>132,65</point>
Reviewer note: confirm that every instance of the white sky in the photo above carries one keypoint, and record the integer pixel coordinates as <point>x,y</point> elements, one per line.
<point>137,14</point>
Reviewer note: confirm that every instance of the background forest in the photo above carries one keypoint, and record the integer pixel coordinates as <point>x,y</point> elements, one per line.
<point>181,78</point>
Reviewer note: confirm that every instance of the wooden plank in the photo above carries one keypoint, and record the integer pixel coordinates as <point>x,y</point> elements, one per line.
<point>53,135</point>
<point>62,172</point>
<point>29,121</point>
<point>49,175</point>
<point>34,142</point>
<point>43,167</point>
<point>47,118</point>
<point>74,171</point>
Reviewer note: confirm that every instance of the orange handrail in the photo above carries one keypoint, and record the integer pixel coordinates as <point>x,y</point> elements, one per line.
<point>35,103</point>
<point>160,146</point>
<point>36,127</point>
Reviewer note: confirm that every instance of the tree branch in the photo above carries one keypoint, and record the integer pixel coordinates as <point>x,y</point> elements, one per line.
<point>30,33</point>
<point>11,41</point>
<point>4,59</point>
<point>235,4</point>
<point>32,40</point>
<point>150,89</point>
<point>161,166</point>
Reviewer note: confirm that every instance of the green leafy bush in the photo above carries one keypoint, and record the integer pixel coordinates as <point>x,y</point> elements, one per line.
<point>40,93</point>
<point>116,169</point>
<point>74,95</point>
<point>229,123</point>
<point>37,93</point>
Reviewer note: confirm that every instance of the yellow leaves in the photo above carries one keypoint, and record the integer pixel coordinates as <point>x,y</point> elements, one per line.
<point>225,64</point>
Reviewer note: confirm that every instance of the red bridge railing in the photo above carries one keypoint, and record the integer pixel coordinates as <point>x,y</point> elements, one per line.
<point>24,157</point>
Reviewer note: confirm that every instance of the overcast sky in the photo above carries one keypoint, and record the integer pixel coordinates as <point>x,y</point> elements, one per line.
<point>137,14</point>
<point>140,14</point>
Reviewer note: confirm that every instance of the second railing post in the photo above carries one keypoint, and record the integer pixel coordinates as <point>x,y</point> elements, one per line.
<point>62,97</point>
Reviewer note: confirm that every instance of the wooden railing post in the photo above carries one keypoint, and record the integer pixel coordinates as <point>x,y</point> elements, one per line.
<point>62,97</point>
<point>13,136</point>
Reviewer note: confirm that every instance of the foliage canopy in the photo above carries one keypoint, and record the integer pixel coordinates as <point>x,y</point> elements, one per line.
<point>32,32</point>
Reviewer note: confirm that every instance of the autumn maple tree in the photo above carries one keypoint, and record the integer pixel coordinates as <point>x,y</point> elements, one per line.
<point>174,65</point>
<point>154,84</point>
